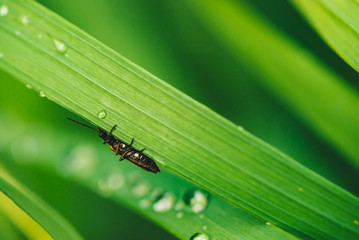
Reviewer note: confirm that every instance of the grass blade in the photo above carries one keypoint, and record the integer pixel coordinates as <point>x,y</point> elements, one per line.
<point>92,165</point>
<point>50,220</point>
<point>337,21</point>
<point>290,72</point>
<point>83,75</point>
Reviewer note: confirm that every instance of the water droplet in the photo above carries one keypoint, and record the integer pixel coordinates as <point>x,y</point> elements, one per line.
<point>60,46</point>
<point>25,149</point>
<point>39,35</point>
<point>199,236</point>
<point>112,183</point>
<point>81,161</point>
<point>102,114</point>
<point>179,215</point>
<point>1,55</point>
<point>104,189</point>
<point>156,193</point>
<point>42,94</point>
<point>356,222</point>
<point>164,203</point>
<point>25,20</point>
<point>115,181</point>
<point>268,223</point>
<point>17,33</point>
<point>240,128</point>
<point>144,203</point>
<point>196,200</point>
<point>28,86</point>
<point>204,228</point>
<point>4,10</point>
<point>140,189</point>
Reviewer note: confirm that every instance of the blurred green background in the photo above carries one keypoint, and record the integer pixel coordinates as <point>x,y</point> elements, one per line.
<point>167,40</point>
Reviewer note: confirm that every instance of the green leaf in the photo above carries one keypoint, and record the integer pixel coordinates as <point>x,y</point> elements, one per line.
<point>337,21</point>
<point>71,68</point>
<point>48,218</point>
<point>7,230</point>
<point>311,90</point>
<point>164,198</point>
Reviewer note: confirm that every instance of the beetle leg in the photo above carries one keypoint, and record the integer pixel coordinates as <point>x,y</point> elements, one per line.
<point>123,155</point>
<point>131,142</point>
<point>117,149</point>
<point>143,149</point>
<point>113,129</point>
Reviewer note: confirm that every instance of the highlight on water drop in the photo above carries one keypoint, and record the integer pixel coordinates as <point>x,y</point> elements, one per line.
<point>102,114</point>
<point>4,10</point>
<point>164,202</point>
<point>199,236</point>
<point>60,46</point>
<point>196,200</point>
<point>25,20</point>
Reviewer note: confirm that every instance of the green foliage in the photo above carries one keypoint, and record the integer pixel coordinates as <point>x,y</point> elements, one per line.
<point>338,22</point>
<point>48,218</point>
<point>193,145</point>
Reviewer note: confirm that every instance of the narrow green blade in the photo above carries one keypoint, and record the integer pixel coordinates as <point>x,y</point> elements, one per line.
<point>337,21</point>
<point>48,218</point>
<point>76,71</point>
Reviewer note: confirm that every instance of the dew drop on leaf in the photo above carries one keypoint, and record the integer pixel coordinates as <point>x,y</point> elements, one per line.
<point>4,10</point>
<point>199,236</point>
<point>25,20</point>
<point>102,114</point>
<point>196,200</point>
<point>60,46</point>
<point>164,202</point>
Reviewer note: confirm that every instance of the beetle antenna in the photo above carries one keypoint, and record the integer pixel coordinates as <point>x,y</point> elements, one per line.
<point>82,124</point>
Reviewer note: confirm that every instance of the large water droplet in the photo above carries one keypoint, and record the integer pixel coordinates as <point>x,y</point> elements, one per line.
<point>199,236</point>
<point>196,200</point>
<point>164,203</point>
<point>60,46</point>
<point>4,10</point>
<point>102,114</point>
